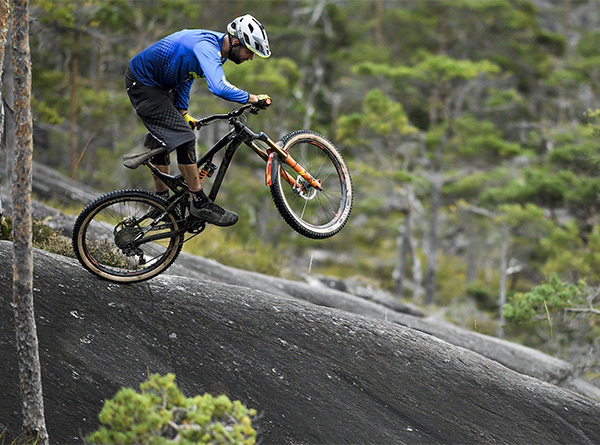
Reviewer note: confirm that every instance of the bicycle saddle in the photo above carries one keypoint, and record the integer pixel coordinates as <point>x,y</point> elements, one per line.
<point>134,160</point>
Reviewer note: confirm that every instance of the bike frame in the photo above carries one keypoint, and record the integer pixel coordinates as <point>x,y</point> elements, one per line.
<point>125,220</point>
<point>238,135</point>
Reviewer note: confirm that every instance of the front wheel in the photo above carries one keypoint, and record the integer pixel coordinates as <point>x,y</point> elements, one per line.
<point>126,236</point>
<point>315,212</point>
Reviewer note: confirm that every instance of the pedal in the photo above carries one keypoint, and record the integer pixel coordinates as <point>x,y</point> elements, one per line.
<point>195,225</point>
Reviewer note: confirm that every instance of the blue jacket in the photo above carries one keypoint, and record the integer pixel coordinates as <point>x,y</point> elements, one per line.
<point>175,61</point>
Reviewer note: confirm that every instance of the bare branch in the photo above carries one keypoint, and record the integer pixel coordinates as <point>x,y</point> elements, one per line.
<point>583,309</point>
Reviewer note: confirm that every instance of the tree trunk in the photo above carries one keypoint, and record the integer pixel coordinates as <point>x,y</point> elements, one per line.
<point>9,123</point>
<point>407,248</point>
<point>431,272</point>
<point>471,267</point>
<point>4,14</point>
<point>73,129</point>
<point>436,199</point>
<point>101,47</point>
<point>30,382</point>
<point>379,23</point>
<point>503,267</point>
<point>566,26</point>
<point>417,267</point>
<point>400,270</point>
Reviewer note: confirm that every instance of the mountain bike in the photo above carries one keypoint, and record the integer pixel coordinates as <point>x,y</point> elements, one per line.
<point>133,235</point>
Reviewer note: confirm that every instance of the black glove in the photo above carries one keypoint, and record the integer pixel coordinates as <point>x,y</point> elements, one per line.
<point>263,101</point>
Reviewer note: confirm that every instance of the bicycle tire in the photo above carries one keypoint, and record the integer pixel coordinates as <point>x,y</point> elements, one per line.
<point>104,232</point>
<point>313,213</point>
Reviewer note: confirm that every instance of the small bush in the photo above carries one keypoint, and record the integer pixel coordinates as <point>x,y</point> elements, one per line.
<point>161,414</point>
<point>106,253</point>
<point>43,237</point>
<point>5,229</point>
<point>550,297</point>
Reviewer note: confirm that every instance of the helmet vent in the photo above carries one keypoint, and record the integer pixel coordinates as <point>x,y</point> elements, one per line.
<point>251,33</point>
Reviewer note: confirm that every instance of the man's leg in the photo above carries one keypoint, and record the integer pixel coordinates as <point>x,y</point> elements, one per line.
<point>191,176</point>
<point>160,187</point>
<point>201,206</point>
<point>161,162</point>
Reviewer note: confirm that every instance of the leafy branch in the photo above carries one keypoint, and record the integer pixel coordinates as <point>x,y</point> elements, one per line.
<point>552,297</point>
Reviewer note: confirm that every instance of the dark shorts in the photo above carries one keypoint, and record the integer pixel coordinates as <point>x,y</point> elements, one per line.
<point>155,106</point>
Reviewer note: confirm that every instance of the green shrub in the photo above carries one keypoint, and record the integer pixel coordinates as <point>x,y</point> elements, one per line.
<point>43,237</point>
<point>161,414</point>
<point>5,229</point>
<point>550,297</point>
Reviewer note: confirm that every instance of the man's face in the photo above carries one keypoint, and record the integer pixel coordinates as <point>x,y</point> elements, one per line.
<point>239,53</point>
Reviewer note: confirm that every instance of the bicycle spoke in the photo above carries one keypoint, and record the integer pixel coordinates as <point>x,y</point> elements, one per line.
<point>316,212</point>
<point>117,237</point>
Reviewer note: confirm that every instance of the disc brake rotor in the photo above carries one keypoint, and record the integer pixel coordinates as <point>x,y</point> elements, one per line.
<point>304,189</point>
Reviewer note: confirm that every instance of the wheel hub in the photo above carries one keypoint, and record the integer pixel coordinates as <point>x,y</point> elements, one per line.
<point>304,189</point>
<point>125,236</point>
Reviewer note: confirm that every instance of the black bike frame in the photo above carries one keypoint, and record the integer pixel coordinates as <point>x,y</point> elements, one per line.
<point>176,183</point>
<point>232,140</point>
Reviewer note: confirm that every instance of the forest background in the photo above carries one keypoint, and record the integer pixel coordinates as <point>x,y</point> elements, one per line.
<point>469,127</point>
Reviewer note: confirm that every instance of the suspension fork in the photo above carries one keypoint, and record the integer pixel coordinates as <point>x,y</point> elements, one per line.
<point>285,156</point>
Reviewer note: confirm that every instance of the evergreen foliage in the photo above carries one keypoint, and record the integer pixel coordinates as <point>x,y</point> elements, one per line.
<point>160,414</point>
<point>550,297</point>
<point>568,312</point>
<point>456,117</point>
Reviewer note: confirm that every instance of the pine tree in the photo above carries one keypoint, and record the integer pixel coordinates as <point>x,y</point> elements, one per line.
<point>32,407</point>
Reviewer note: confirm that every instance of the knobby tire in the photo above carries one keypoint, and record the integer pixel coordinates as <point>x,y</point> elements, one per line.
<point>313,213</point>
<point>104,233</point>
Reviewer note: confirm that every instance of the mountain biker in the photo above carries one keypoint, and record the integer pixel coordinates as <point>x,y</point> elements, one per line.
<point>158,83</point>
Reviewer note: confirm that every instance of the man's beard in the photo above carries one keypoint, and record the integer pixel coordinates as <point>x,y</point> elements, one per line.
<point>235,54</point>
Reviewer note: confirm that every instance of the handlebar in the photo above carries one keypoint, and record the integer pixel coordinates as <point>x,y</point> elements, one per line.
<point>232,114</point>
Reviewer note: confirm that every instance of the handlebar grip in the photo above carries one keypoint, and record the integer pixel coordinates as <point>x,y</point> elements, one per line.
<point>264,101</point>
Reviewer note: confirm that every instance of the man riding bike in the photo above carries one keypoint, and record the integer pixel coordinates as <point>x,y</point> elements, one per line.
<point>158,83</point>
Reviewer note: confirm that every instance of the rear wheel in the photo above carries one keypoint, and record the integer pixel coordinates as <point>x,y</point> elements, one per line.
<point>126,236</point>
<point>315,212</point>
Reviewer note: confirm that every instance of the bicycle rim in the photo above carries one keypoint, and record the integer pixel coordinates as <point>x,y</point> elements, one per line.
<point>113,236</point>
<point>313,212</point>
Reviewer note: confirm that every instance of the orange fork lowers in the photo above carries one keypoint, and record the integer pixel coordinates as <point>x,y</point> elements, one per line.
<point>291,162</point>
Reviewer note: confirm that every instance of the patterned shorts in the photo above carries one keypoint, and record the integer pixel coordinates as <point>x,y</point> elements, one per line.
<point>166,126</point>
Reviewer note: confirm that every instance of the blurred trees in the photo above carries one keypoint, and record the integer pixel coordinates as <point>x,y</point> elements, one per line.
<point>447,111</point>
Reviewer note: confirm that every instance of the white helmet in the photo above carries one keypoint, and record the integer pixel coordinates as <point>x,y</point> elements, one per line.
<point>252,34</point>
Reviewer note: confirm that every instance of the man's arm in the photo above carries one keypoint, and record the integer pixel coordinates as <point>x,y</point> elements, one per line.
<point>215,76</point>
<point>183,95</point>
<point>253,99</point>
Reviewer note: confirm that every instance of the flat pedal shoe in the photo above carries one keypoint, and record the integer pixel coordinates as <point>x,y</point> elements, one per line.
<point>214,214</point>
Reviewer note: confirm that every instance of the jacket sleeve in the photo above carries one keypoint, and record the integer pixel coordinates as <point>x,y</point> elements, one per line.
<point>212,67</point>
<point>183,95</point>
